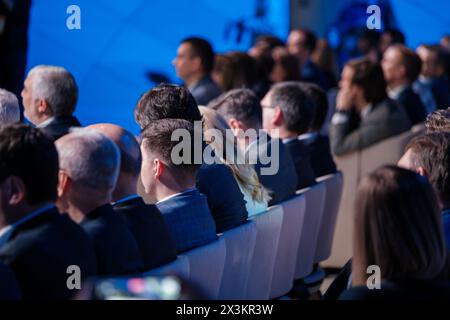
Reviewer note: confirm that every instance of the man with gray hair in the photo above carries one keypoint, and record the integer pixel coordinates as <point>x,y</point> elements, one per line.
<point>49,96</point>
<point>9,108</point>
<point>89,168</point>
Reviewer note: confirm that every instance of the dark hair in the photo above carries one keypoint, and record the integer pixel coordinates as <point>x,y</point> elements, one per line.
<point>441,56</point>
<point>310,40</point>
<point>157,137</point>
<point>396,35</point>
<point>438,121</point>
<point>166,101</point>
<point>432,152</point>
<point>296,106</point>
<point>269,41</point>
<point>410,60</point>
<point>368,75</point>
<point>289,63</point>
<point>130,154</point>
<point>398,227</point>
<point>319,97</point>
<point>202,49</point>
<point>29,154</point>
<point>241,104</point>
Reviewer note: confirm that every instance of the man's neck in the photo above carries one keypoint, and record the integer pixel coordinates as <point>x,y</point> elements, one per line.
<point>165,192</point>
<point>21,213</point>
<point>124,189</point>
<point>395,84</point>
<point>193,79</point>
<point>42,119</point>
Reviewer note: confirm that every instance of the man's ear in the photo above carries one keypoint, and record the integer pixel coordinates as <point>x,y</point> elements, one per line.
<point>196,63</point>
<point>277,119</point>
<point>42,106</point>
<point>15,190</point>
<point>236,126</point>
<point>158,168</point>
<point>421,171</point>
<point>64,183</point>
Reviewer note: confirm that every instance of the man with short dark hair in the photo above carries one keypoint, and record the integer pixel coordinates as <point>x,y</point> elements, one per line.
<point>438,121</point>
<point>89,168</point>
<point>287,114</point>
<point>241,108</point>
<point>363,96</point>
<point>145,222</point>
<point>50,96</point>
<point>194,63</point>
<point>429,156</point>
<point>37,242</point>
<point>401,67</point>
<point>302,43</point>
<point>167,101</point>
<point>172,183</point>
<point>321,161</point>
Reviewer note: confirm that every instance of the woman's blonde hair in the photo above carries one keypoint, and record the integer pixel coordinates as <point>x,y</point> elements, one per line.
<point>244,173</point>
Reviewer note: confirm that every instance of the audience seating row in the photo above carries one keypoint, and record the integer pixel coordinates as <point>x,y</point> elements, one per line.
<point>354,166</point>
<point>261,259</point>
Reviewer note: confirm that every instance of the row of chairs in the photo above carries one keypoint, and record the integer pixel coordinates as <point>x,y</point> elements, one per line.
<point>261,259</point>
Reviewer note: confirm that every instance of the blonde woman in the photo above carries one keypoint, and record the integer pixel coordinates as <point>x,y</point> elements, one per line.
<point>255,195</point>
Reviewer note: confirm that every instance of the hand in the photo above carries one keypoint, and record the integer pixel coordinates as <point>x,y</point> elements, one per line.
<point>344,99</point>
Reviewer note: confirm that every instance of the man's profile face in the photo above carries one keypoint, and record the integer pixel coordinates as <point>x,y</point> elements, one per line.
<point>30,109</point>
<point>183,61</point>
<point>391,64</point>
<point>268,113</point>
<point>147,170</point>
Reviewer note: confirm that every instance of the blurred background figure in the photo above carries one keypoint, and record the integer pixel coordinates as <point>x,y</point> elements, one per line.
<point>390,37</point>
<point>286,66</point>
<point>9,108</point>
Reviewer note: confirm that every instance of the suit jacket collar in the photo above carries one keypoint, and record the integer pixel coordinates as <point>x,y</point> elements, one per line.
<point>98,212</point>
<point>135,200</point>
<point>41,217</point>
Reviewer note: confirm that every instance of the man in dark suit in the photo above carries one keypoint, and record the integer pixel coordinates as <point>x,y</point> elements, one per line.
<point>89,167</point>
<point>9,288</point>
<point>429,156</point>
<point>153,237</point>
<point>194,63</point>
<point>363,93</point>
<point>36,242</point>
<point>49,98</point>
<point>321,161</point>
<point>167,101</point>
<point>401,67</point>
<point>287,114</point>
<point>171,176</point>
<point>273,163</point>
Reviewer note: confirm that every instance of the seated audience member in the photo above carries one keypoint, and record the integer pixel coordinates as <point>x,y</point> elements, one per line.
<point>429,156</point>
<point>390,37</point>
<point>9,288</point>
<point>363,94</point>
<point>172,182</point>
<point>174,102</point>
<point>37,242</point>
<point>286,66</point>
<point>255,194</point>
<point>438,121</point>
<point>398,228</point>
<point>433,84</point>
<point>242,110</point>
<point>89,167</point>
<point>302,43</point>
<point>9,108</point>
<point>145,222</point>
<point>321,161</point>
<point>49,98</point>
<point>401,67</point>
<point>287,114</point>
<point>324,57</point>
<point>194,63</point>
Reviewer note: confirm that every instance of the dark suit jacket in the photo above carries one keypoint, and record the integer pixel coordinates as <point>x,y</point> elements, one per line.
<point>446,223</point>
<point>9,288</point>
<point>60,126</point>
<point>321,160</point>
<point>439,88</point>
<point>225,199</point>
<point>41,249</point>
<point>115,247</point>
<point>310,72</point>
<point>301,156</point>
<point>386,119</point>
<point>413,106</point>
<point>153,237</point>
<point>189,220</point>
<point>283,183</point>
<point>205,90</point>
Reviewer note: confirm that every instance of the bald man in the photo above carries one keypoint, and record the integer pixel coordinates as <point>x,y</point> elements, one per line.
<point>145,221</point>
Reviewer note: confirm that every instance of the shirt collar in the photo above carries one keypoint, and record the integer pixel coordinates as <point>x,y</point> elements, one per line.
<point>125,199</point>
<point>309,136</point>
<point>176,194</point>
<point>6,232</point>
<point>45,123</point>
<point>395,93</point>
<point>287,140</point>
